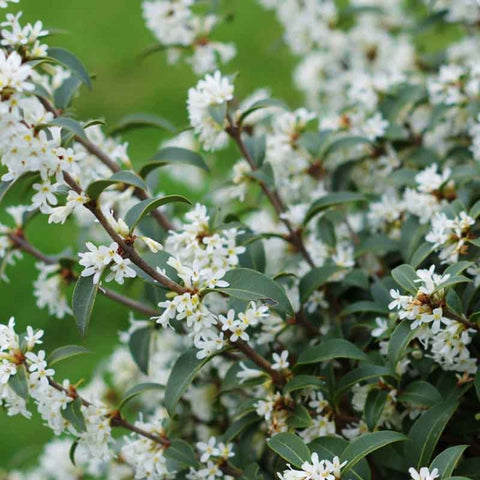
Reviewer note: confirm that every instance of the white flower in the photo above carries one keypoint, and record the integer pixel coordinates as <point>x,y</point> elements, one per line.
<point>423,474</point>
<point>120,270</point>
<point>208,449</point>
<point>280,361</point>
<point>212,91</point>
<point>382,326</point>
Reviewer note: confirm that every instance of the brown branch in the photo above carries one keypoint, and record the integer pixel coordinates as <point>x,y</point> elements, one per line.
<point>295,237</point>
<point>462,320</point>
<point>163,221</point>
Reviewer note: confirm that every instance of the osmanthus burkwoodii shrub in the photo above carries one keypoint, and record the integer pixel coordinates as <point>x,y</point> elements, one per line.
<point>317,315</point>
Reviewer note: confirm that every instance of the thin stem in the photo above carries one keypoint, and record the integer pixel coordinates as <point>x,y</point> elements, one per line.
<point>161,218</point>
<point>463,320</point>
<point>116,420</point>
<point>295,237</point>
<point>23,244</point>
<point>127,249</point>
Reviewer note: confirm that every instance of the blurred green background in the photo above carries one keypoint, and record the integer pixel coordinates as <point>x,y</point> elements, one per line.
<point>109,35</point>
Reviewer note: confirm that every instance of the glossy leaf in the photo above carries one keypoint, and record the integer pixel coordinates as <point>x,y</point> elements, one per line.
<point>126,177</point>
<point>139,345</point>
<point>405,276</point>
<point>374,406</point>
<point>71,62</point>
<point>19,382</point>
<point>173,156</point>
<point>399,341</point>
<point>181,376</point>
<point>332,200</point>
<point>290,447</point>
<point>329,350</point>
<point>84,295</point>
<point>138,390</point>
<point>143,208</point>
<point>421,394</point>
<point>73,414</point>
<point>68,351</point>
<point>182,453</point>
<point>447,461</point>
<point>314,279</point>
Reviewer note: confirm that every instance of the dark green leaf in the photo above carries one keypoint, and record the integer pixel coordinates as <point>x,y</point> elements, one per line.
<point>399,341</point>
<point>426,431</point>
<point>374,406</point>
<point>363,374</point>
<point>290,447</point>
<point>265,103</point>
<point>64,94</point>
<point>172,156</point>
<point>141,120</point>
<point>65,352</point>
<point>314,279</point>
<point>139,389</point>
<point>405,276</point>
<point>181,452</point>
<point>71,62</point>
<point>420,394</point>
<point>70,125</point>
<point>363,306</point>
<point>420,254</point>
<point>139,210</point>
<point>237,427</point>
<point>247,284</point>
<point>84,295</point>
<point>73,414</point>
<point>300,418</point>
<point>139,345</point>
<point>126,177</point>
<point>446,461</point>
<point>181,376</point>
<point>360,447</point>
<point>218,112</point>
<point>329,350</point>
<point>300,382</point>
<point>346,142</point>
<point>19,382</point>
<point>332,200</point>
<point>256,147</point>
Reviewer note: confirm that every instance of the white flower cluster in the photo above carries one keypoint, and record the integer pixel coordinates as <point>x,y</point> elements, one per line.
<point>447,338</point>
<point>315,469</point>
<point>17,356</point>
<point>213,454</point>
<point>186,34</point>
<point>450,236</point>
<point>467,11</point>
<point>212,92</point>
<point>423,474</point>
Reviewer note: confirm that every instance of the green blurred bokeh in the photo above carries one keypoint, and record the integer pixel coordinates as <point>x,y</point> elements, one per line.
<point>109,35</point>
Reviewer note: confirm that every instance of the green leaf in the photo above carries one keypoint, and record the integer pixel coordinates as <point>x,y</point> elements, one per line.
<point>363,374</point>
<point>346,142</point>
<point>454,302</point>
<point>73,414</point>
<point>62,353</point>
<point>332,200</point>
<point>181,452</point>
<point>360,447</point>
<point>265,103</point>
<point>290,447</point>
<point>448,460</point>
<point>405,276</point>
<point>314,142</point>
<point>141,120</point>
<point>420,254</point>
<point>457,268</point>
<point>455,280</point>
<point>139,345</point>
<point>374,406</point>
<point>300,382</point>
<point>314,279</point>
<point>139,389</point>
<point>264,175</point>
<point>84,295</point>
<point>300,418</point>
<point>218,112</point>
<point>247,284</point>
<point>399,341</point>
<point>237,427</point>
<point>139,210</point>
<point>63,95</point>
<point>256,147</point>
<point>181,376</point>
<point>126,177</point>
<point>71,452</point>
<point>363,306</point>
<point>330,350</point>
<point>70,125</point>
<point>72,63</point>
<point>426,431</point>
<point>421,394</point>
<point>19,382</point>
<point>173,156</point>
<point>475,210</point>
<point>4,188</point>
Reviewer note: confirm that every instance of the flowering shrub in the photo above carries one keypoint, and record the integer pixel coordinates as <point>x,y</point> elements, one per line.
<point>317,315</point>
